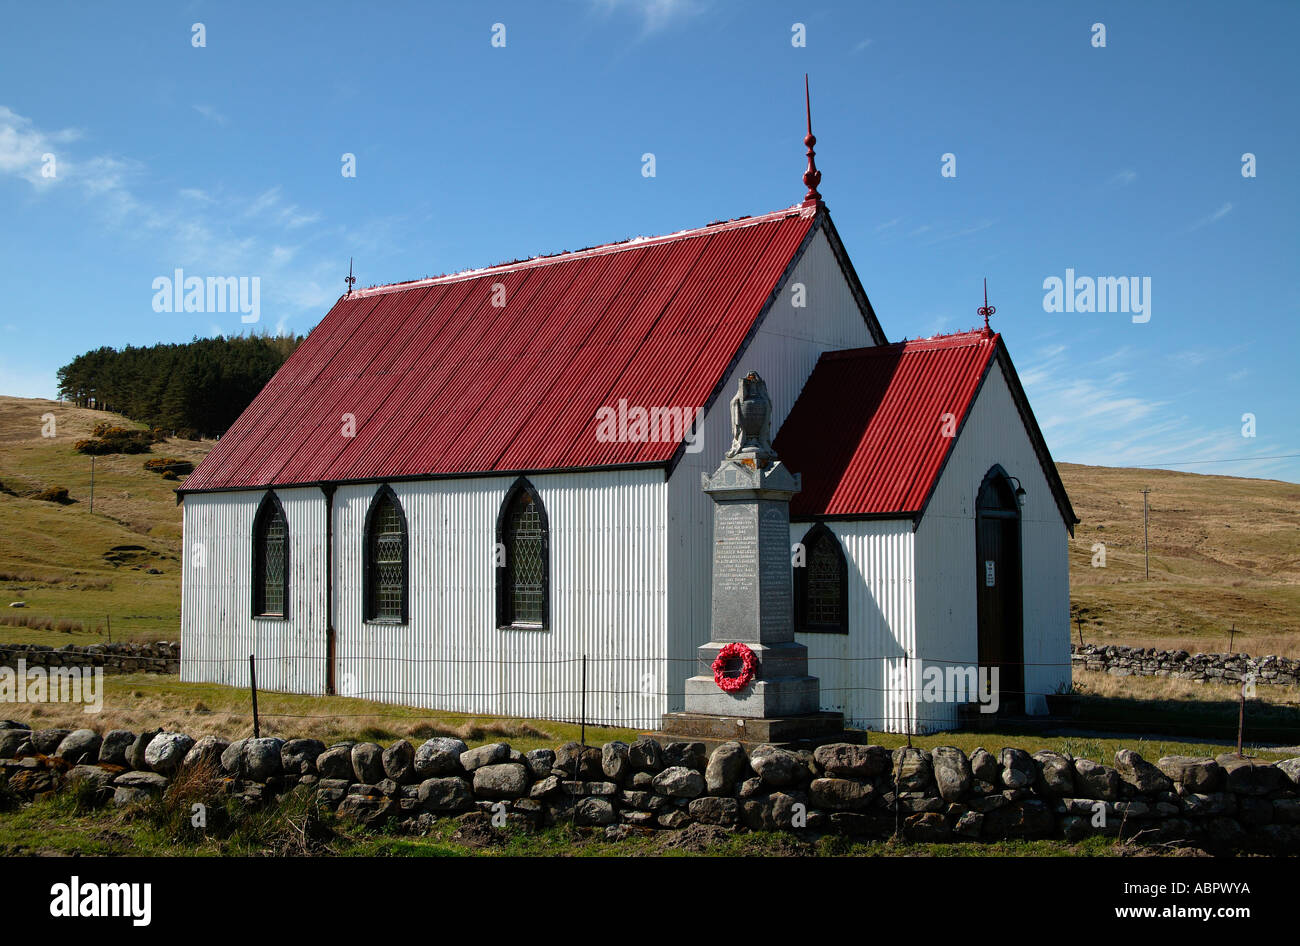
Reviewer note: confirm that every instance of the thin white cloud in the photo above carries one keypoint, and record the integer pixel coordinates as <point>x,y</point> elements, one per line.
<point>655,15</point>
<point>1219,214</point>
<point>862,45</point>
<point>211,114</point>
<point>1122,178</point>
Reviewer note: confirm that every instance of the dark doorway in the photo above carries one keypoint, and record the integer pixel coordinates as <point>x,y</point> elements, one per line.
<point>998,580</point>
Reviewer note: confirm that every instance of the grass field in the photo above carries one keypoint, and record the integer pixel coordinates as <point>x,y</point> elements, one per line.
<point>1225,551</point>
<point>87,574</point>
<point>61,825</point>
<point>1204,719</point>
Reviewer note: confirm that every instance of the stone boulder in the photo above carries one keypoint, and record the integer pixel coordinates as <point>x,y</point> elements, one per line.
<point>1290,768</point>
<point>232,758</point>
<point>298,756</point>
<point>261,758</point>
<point>984,767</point>
<point>779,768</point>
<point>1093,780</point>
<point>1192,774</point>
<point>1141,774</point>
<point>11,740</point>
<point>368,762</point>
<point>46,741</point>
<point>540,762</point>
<point>207,751</point>
<point>1251,776</point>
<point>1055,773</point>
<point>112,751</point>
<point>491,754</point>
<point>80,746</point>
<point>678,781</point>
<point>727,766</point>
<point>952,772</point>
<point>398,760</point>
<point>849,760</point>
<point>445,794</point>
<point>1018,769</point>
<point>135,755</point>
<point>439,756</point>
<point>501,780</point>
<point>614,761</point>
<point>336,763</point>
<point>690,755</point>
<point>712,809</point>
<point>840,794</point>
<point>646,755</point>
<point>913,770</point>
<point>596,812</point>
<point>166,752</point>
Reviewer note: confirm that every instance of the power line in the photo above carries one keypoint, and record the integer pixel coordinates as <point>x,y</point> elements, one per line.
<point>1149,464</point>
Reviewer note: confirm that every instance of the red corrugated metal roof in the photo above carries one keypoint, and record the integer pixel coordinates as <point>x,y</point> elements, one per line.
<point>441,381</point>
<point>867,433</point>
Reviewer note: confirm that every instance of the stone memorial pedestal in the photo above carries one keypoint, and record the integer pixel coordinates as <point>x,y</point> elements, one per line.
<point>753,600</point>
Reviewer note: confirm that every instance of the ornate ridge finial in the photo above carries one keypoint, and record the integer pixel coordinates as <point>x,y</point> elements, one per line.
<point>811,177</point>
<point>349,279</point>
<point>986,310</point>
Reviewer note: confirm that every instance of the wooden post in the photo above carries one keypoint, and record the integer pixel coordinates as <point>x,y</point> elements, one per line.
<point>252,676</point>
<point>584,703</point>
<point>92,484</point>
<point>1241,717</point>
<point>1146,544</point>
<point>1079,620</point>
<point>108,619</point>
<point>1231,635</point>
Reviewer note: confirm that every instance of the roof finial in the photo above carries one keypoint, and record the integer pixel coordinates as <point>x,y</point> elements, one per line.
<point>811,177</point>
<point>350,278</point>
<point>986,310</point>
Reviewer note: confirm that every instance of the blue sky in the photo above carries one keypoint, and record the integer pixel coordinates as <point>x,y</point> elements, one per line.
<point>1117,161</point>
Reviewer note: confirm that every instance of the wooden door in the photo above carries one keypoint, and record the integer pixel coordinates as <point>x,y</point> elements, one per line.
<point>998,584</point>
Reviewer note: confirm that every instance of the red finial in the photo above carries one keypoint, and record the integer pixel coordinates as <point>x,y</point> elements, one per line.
<point>986,310</point>
<point>811,177</point>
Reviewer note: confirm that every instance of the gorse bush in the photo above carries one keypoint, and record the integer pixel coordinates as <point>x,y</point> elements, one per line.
<point>169,465</point>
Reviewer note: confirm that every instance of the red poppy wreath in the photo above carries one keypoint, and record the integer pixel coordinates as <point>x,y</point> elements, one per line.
<point>748,664</point>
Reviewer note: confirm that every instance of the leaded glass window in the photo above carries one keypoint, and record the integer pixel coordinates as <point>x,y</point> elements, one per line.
<point>821,584</point>
<point>271,560</point>
<point>824,575</point>
<point>386,560</point>
<point>524,559</point>
<point>522,592</point>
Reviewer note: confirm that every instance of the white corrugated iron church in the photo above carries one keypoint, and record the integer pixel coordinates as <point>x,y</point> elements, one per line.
<point>457,487</point>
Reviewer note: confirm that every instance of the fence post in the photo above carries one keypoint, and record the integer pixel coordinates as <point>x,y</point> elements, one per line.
<point>584,702</point>
<point>1241,717</point>
<point>108,619</point>
<point>252,674</point>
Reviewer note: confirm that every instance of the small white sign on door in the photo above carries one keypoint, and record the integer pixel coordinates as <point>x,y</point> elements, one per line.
<point>988,573</point>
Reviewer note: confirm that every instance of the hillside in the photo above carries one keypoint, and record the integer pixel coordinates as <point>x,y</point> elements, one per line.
<point>1224,550</point>
<point>72,566</point>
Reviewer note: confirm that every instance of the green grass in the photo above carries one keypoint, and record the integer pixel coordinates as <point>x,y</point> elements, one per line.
<point>60,825</point>
<point>140,701</point>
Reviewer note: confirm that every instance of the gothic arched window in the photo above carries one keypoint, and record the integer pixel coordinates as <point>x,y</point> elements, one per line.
<point>821,586</point>
<point>523,566</point>
<point>385,560</point>
<point>270,560</point>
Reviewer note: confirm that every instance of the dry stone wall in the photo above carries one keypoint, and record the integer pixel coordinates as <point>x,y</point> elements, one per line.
<point>1201,668</point>
<point>151,657</point>
<point>1225,804</point>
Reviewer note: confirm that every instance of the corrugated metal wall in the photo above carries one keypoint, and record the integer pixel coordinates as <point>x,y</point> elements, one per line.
<point>217,629</point>
<point>947,620</point>
<point>783,352</point>
<point>608,598</point>
<point>859,671</point>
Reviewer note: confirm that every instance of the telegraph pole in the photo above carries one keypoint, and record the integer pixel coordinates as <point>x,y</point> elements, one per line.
<point>1146,542</point>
